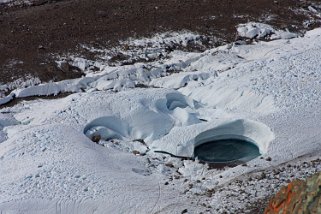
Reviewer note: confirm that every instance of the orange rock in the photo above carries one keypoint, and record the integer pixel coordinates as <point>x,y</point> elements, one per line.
<point>297,197</point>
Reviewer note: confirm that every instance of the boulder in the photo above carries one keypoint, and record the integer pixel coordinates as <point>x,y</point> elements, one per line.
<point>297,197</point>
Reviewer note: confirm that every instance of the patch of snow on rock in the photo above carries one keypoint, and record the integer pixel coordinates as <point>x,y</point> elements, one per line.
<point>253,30</point>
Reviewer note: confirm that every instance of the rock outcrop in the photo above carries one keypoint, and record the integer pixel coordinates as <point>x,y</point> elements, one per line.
<point>297,197</point>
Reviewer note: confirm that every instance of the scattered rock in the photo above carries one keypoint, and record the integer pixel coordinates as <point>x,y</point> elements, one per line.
<point>184,211</point>
<point>262,176</point>
<point>135,152</point>
<point>96,138</point>
<point>177,177</point>
<point>169,164</point>
<point>210,192</point>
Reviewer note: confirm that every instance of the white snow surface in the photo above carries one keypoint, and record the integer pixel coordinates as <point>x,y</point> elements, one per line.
<point>14,2</point>
<point>268,92</point>
<point>253,30</point>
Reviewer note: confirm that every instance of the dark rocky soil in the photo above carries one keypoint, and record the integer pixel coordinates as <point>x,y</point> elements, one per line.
<point>30,35</point>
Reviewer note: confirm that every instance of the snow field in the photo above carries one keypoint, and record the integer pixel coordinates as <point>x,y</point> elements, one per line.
<point>268,92</point>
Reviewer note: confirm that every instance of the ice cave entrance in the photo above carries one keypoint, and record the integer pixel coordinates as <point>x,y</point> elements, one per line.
<point>229,150</point>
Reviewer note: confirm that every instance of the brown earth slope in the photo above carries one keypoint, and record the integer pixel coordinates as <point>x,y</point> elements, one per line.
<point>30,35</point>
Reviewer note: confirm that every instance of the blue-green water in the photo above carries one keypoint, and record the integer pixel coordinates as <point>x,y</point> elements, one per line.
<point>227,150</point>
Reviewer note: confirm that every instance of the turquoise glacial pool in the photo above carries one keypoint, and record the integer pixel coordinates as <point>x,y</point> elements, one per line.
<point>226,151</point>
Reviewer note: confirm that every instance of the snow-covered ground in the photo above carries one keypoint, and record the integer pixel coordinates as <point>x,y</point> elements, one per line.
<point>14,2</point>
<point>259,30</point>
<point>268,92</point>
